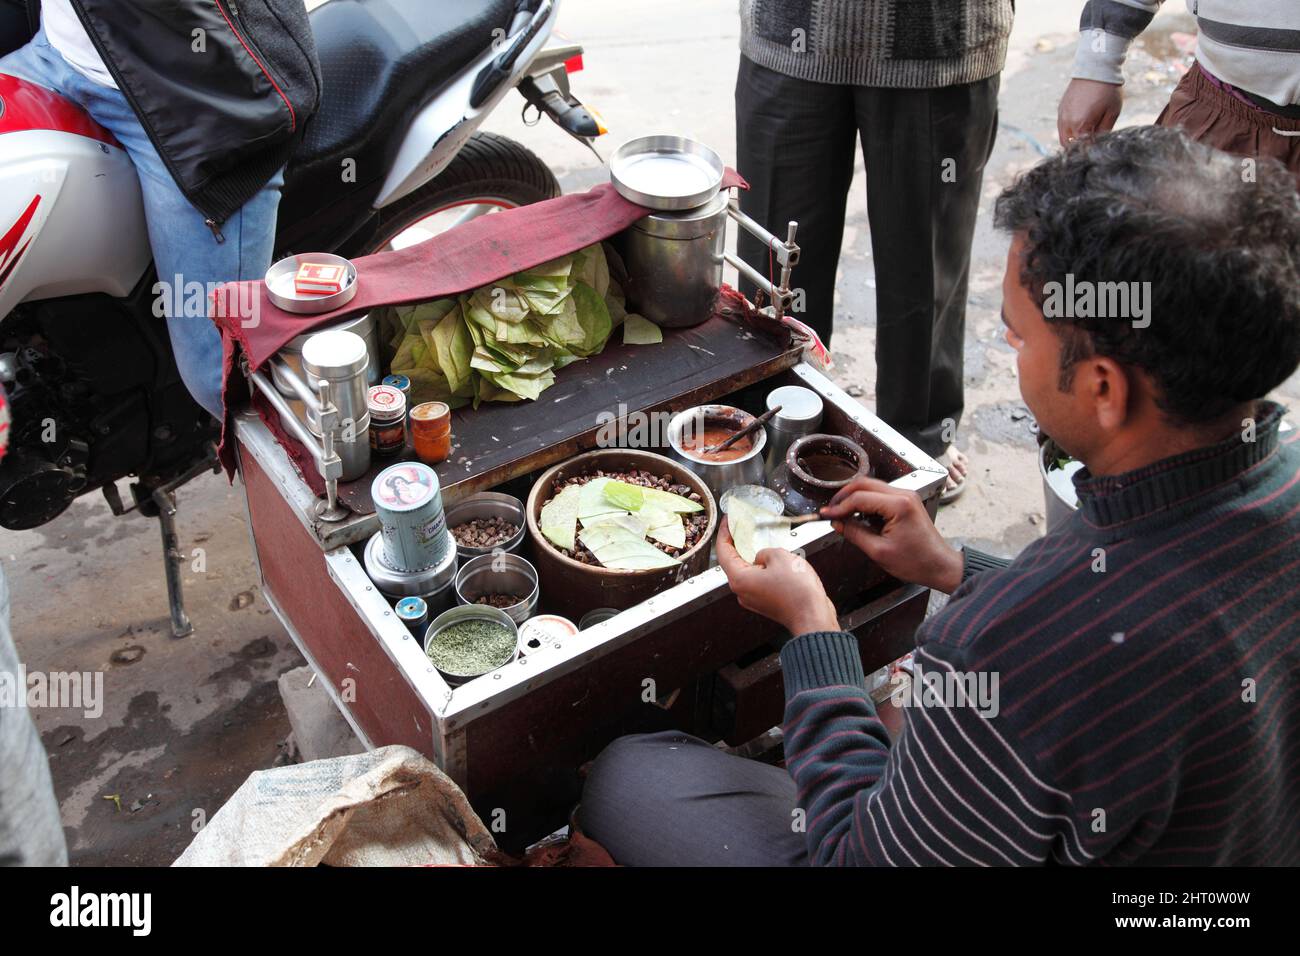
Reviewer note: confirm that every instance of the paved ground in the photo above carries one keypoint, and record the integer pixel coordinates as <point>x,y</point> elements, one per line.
<point>186,721</point>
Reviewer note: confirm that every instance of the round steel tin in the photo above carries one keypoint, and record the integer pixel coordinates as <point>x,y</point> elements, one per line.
<point>408,502</point>
<point>489,504</point>
<point>280,285</point>
<point>470,612</point>
<point>499,574</point>
<point>665,171</point>
<point>598,616</point>
<point>434,584</point>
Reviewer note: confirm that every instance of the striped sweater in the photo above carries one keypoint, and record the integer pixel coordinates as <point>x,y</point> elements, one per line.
<point>906,44</point>
<point>1144,663</point>
<point>1253,45</point>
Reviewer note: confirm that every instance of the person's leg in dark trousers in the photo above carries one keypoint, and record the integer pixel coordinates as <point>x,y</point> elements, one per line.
<point>925,154</point>
<point>795,147</point>
<point>669,799</point>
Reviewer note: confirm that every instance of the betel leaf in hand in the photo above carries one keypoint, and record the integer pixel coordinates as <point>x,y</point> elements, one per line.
<point>753,529</point>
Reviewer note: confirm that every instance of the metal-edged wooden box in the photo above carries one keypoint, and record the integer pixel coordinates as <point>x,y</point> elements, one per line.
<point>689,658</point>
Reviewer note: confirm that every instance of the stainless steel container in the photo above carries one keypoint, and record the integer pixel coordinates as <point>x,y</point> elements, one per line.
<point>471,612</point>
<point>674,263</point>
<point>499,574</point>
<point>408,502</point>
<point>489,504</point>
<point>362,325</point>
<point>718,475</point>
<point>341,358</point>
<point>435,584</point>
<point>801,414</point>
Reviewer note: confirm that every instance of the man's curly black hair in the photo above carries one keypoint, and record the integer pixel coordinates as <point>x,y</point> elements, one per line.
<point>1216,236</point>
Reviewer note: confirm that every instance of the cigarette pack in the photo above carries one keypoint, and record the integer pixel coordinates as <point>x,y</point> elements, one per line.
<point>315,278</point>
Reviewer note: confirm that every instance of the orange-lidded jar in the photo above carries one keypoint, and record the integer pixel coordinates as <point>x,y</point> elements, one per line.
<point>431,431</point>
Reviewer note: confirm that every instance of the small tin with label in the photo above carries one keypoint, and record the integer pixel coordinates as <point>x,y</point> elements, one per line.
<point>414,613</point>
<point>408,503</point>
<point>387,408</point>
<point>401,383</point>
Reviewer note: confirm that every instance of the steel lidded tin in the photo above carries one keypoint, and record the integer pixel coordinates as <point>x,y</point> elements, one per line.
<point>408,502</point>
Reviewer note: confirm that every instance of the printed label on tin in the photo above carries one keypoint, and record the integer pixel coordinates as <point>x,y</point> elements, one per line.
<point>429,533</point>
<point>405,487</point>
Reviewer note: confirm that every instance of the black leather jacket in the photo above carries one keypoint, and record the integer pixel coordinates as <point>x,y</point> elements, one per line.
<point>222,87</point>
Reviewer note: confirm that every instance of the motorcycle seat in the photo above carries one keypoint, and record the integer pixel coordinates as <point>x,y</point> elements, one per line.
<point>381,60</point>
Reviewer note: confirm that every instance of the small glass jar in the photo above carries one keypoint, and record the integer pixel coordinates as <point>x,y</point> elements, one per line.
<point>431,431</point>
<point>387,407</point>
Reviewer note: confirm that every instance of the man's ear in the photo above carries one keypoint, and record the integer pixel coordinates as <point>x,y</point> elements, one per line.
<point>1109,391</point>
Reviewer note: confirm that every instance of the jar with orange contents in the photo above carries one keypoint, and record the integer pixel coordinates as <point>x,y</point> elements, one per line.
<point>431,431</point>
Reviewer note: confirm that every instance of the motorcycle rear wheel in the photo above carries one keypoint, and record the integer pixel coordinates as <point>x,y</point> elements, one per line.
<point>490,172</point>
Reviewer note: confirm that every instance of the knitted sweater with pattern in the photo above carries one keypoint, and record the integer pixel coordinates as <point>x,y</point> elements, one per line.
<point>905,44</point>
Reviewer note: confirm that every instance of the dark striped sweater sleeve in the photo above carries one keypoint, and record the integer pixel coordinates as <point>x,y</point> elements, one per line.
<point>952,792</point>
<point>1106,30</point>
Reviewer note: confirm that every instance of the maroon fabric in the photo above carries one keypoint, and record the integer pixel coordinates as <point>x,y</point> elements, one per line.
<point>471,255</point>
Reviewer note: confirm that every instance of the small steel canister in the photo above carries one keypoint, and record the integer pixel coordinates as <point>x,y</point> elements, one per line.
<point>800,414</point>
<point>414,613</point>
<point>674,263</point>
<point>434,585</point>
<point>341,358</point>
<point>387,408</point>
<point>408,502</point>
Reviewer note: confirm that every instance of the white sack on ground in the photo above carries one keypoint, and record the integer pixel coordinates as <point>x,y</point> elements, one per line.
<point>388,807</point>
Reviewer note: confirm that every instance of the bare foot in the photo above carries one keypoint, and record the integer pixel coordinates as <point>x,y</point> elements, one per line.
<point>958,469</point>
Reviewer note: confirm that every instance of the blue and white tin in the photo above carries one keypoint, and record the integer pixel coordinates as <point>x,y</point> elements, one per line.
<point>414,613</point>
<point>408,502</point>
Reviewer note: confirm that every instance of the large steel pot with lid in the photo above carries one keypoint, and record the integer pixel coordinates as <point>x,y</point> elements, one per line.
<point>674,263</point>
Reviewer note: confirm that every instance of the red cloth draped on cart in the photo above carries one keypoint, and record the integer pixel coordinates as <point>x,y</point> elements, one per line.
<point>480,251</point>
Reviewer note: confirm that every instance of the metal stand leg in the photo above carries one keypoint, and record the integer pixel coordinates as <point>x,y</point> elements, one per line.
<point>172,557</point>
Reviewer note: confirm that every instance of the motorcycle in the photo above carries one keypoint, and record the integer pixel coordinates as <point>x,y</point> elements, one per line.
<point>393,156</point>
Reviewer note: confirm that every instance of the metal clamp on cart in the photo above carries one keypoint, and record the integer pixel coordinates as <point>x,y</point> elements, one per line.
<point>682,654</point>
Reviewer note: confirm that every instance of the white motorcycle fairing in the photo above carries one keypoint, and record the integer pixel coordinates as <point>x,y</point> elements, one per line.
<point>71,213</point>
<point>438,131</point>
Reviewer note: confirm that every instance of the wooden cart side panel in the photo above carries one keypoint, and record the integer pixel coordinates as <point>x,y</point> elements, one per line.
<point>569,719</point>
<point>380,700</point>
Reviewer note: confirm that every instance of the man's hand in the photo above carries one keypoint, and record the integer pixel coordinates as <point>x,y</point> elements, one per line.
<point>778,585</point>
<point>1088,107</point>
<point>907,545</point>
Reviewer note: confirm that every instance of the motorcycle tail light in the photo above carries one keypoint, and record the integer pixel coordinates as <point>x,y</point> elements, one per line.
<point>573,64</point>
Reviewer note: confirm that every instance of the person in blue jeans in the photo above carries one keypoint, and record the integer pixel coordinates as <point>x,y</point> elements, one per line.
<point>234,239</point>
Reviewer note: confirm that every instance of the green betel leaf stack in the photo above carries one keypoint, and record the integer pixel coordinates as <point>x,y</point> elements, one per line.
<point>505,341</point>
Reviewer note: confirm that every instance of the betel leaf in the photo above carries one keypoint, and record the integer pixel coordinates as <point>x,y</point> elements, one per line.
<point>593,317</point>
<point>626,496</point>
<point>620,549</point>
<point>594,502</point>
<point>640,331</point>
<point>559,518</point>
<point>634,523</point>
<point>665,527</point>
<point>670,502</point>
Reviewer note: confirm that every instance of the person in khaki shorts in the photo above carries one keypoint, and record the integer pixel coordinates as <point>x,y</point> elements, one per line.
<point>1241,96</point>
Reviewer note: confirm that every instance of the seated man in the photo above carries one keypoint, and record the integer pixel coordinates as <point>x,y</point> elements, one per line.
<point>1146,654</point>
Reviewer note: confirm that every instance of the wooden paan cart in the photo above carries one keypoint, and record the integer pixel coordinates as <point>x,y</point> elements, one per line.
<point>516,738</point>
